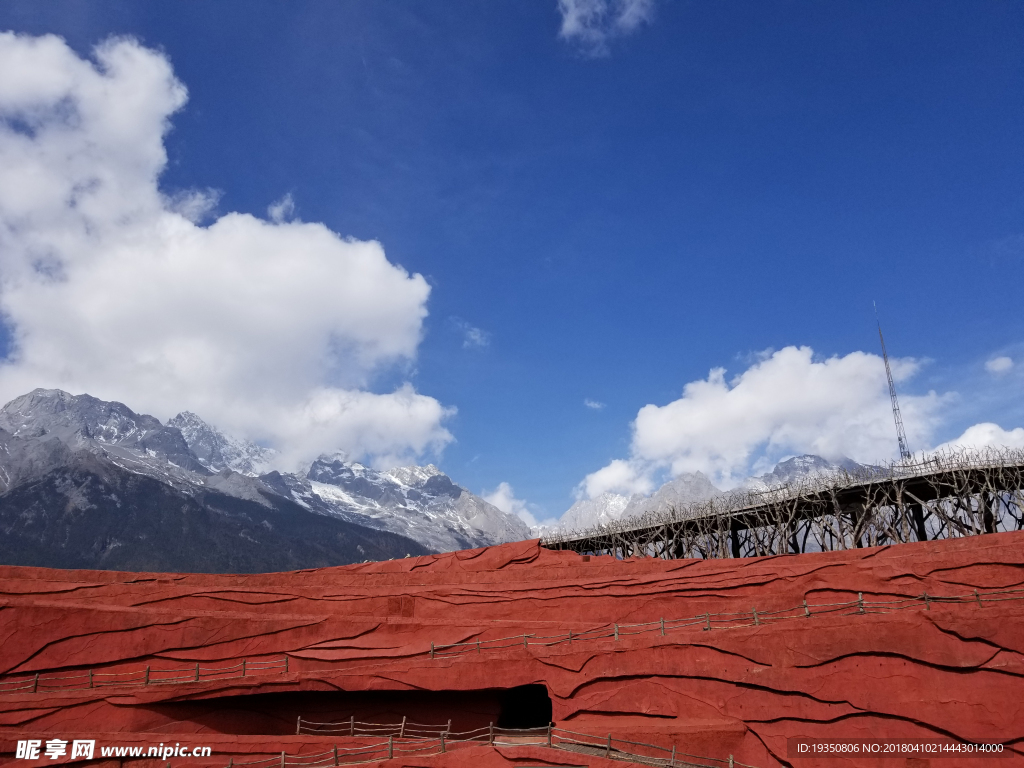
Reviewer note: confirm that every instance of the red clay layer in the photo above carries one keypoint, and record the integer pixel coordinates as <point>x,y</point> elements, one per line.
<point>358,643</point>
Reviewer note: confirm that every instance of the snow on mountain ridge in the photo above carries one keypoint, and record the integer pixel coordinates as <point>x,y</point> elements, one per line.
<point>217,452</point>
<point>798,467</point>
<point>45,429</point>
<point>412,476</point>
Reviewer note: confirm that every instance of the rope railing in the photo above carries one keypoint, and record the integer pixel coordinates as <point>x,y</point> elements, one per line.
<point>90,678</point>
<point>707,621</point>
<point>440,738</point>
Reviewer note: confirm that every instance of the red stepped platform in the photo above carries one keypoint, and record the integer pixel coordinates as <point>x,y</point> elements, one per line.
<point>917,641</point>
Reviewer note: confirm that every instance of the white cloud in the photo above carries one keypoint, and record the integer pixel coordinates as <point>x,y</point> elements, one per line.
<point>592,23</point>
<point>594,404</point>
<point>472,337</point>
<point>999,365</point>
<point>785,403</point>
<point>273,330</point>
<point>504,498</point>
<point>281,210</point>
<point>619,476</point>
<point>986,435</point>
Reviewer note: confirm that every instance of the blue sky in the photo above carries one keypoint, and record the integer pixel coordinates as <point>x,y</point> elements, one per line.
<point>609,218</point>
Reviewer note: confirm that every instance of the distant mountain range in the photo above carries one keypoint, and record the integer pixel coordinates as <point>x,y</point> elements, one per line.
<point>687,488</point>
<point>86,483</point>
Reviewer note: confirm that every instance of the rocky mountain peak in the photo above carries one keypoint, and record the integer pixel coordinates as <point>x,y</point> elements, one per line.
<point>49,431</point>
<point>43,411</point>
<point>218,452</point>
<point>798,467</point>
<point>84,421</point>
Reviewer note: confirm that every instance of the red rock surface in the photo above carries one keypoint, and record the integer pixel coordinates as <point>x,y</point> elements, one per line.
<point>358,642</point>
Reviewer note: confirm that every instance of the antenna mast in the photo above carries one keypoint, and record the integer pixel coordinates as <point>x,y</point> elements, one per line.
<point>901,435</point>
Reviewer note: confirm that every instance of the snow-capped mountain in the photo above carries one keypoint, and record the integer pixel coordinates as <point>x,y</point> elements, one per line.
<point>217,452</point>
<point>90,484</point>
<point>419,502</point>
<point>601,510</point>
<point>136,442</point>
<point>678,492</point>
<point>798,467</point>
<point>46,435</point>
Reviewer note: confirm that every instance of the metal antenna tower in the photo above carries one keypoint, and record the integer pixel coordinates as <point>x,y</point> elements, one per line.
<point>901,434</point>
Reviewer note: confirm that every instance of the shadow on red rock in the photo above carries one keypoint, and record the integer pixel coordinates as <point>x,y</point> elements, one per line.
<point>526,706</point>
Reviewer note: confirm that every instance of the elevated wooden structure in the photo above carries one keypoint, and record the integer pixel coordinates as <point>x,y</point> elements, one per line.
<point>944,496</point>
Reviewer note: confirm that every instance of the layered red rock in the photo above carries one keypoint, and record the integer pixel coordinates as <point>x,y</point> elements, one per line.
<point>358,642</point>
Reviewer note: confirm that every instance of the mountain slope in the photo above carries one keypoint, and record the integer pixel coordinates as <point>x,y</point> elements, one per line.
<point>216,451</point>
<point>58,451</point>
<point>91,513</point>
<point>420,502</point>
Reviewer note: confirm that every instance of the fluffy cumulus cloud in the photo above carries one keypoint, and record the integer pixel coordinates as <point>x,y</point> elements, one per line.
<point>986,435</point>
<point>787,402</point>
<point>619,476</point>
<point>274,329</point>
<point>504,498</point>
<point>591,24</point>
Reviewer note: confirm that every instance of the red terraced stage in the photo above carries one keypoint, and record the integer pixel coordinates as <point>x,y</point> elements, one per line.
<point>715,659</point>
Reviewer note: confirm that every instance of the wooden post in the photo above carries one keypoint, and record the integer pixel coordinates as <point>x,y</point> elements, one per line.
<point>860,602</point>
<point>978,598</point>
<point>243,667</point>
<point>616,632</point>
<point>608,749</point>
<point>663,627</point>
<point>231,761</point>
<point>298,725</point>
<point>757,621</point>
<point>550,725</point>
<point>352,725</point>
<point>927,604</point>
<point>807,611</point>
<point>197,671</point>
<point>442,741</point>
<point>147,676</point>
<point>570,637</point>
<point>730,761</point>
<point>335,754</point>
<point>35,683</point>
<point>401,730</point>
<point>391,747</point>
<point>525,644</point>
<point>672,760</point>
<point>478,646</point>
<point>286,664</point>
<point>431,649</point>
<point>282,758</point>
<point>490,733</point>
<point>707,618</point>
<point>90,678</point>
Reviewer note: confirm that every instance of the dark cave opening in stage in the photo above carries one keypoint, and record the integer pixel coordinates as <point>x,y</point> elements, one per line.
<point>525,706</point>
